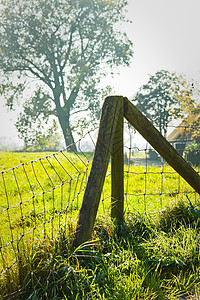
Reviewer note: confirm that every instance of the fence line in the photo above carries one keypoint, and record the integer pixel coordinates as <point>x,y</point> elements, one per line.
<point>38,198</point>
<point>43,196</point>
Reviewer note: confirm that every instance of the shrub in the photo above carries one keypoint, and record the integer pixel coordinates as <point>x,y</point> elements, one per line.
<point>192,154</point>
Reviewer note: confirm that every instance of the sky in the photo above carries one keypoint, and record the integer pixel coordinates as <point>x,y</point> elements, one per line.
<point>165,35</point>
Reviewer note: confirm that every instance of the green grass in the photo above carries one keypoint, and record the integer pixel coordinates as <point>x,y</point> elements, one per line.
<point>134,261</point>
<point>152,256</point>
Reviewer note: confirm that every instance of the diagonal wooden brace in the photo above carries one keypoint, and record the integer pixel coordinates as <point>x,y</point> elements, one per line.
<point>161,145</point>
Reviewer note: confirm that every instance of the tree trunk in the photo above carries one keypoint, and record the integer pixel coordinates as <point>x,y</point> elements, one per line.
<point>63,118</point>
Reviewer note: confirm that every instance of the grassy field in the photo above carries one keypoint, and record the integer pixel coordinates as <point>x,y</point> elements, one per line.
<point>152,256</point>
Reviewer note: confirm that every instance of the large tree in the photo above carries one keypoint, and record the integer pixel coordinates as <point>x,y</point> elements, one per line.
<point>164,97</point>
<point>61,48</point>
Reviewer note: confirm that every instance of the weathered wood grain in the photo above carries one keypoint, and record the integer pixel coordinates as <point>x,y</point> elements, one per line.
<point>117,170</point>
<point>90,204</point>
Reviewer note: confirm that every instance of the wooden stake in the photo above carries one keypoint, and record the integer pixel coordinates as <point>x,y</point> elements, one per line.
<point>108,123</point>
<point>117,171</point>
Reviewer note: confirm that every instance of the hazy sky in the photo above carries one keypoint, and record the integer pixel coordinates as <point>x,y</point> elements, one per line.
<point>166,35</point>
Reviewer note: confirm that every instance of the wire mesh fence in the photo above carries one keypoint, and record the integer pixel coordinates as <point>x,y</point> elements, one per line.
<point>42,197</point>
<point>150,183</point>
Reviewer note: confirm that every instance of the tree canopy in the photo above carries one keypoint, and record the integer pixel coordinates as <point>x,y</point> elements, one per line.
<point>164,97</point>
<point>61,49</point>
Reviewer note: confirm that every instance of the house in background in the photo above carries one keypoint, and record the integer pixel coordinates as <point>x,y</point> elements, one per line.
<point>180,138</point>
<point>185,133</point>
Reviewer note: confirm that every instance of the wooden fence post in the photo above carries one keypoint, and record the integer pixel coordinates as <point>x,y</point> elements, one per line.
<point>117,170</point>
<point>88,211</point>
<point>161,145</point>
<point>110,142</point>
